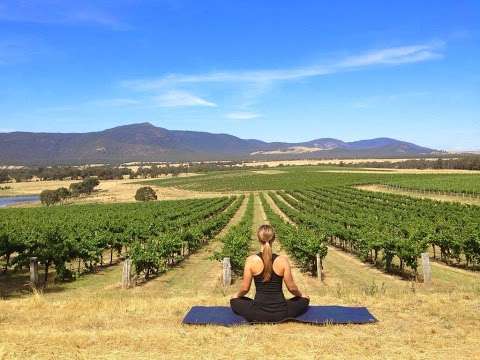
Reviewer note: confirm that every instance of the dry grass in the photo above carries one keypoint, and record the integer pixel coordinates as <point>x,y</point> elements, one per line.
<point>99,320</point>
<point>144,323</point>
<point>449,198</point>
<point>269,172</point>
<point>108,191</point>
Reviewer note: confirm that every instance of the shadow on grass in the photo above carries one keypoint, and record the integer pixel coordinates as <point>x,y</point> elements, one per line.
<point>16,283</point>
<point>379,264</point>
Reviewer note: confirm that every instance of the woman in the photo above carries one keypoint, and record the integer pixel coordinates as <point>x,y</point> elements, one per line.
<point>269,271</point>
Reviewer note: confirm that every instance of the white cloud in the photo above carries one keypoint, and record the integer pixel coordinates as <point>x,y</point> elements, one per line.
<point>242,115</point>
<point>177,98</point>
<point>394,56</point>
<point>260,76</point>
<point>387,56</point>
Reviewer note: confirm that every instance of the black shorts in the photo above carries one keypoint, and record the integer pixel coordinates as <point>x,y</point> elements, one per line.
<point>247,308</point>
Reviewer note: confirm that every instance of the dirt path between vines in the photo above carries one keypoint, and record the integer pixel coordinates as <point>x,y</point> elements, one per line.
<point>198,274</point>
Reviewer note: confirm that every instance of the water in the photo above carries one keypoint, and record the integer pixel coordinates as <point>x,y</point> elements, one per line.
<point>10,200</point>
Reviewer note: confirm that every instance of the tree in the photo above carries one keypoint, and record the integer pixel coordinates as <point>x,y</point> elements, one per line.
<point>89,184</point>
<point>85,187</point>
<point>63,193</point>
<point>76,189</point>
<point>145,193</point>
<point>4,177</point>
<point>49,197</point>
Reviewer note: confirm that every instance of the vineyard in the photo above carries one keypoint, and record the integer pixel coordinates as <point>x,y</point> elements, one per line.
<point>152,234</point>
<point>367,245</point>
<point>438,183</point>
<point>302,177</point>
<point>396,227</point>
<point>386,230</point>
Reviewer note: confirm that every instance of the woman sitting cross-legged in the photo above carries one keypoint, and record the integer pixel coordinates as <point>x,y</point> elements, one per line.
<point>269,271</point>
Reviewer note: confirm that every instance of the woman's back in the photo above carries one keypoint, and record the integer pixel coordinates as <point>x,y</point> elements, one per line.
<point>269,292</point>
<point>269,303</point>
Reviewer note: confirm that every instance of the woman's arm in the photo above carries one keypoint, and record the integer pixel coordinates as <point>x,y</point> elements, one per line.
<point>247,280</point>
<point>288,278</point>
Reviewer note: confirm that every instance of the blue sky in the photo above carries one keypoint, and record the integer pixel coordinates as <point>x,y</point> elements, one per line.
<point>273,70</point>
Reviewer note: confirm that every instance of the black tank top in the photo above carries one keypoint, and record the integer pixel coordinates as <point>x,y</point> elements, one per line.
<point>269,294</point>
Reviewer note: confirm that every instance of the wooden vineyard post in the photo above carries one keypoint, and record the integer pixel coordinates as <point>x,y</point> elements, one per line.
<point>427,271</point>
<point>185,248</point>
<point>34,271</point>
<point>227,272</point>
<point>127,274</point>
<point>319,267</point>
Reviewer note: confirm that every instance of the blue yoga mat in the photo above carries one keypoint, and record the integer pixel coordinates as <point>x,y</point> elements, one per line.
<point>317,315</point>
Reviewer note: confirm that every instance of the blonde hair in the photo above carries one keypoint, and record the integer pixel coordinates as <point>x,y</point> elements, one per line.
<point>266,236</point>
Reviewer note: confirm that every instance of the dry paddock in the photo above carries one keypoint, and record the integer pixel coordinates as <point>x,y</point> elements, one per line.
<point>144,324</point>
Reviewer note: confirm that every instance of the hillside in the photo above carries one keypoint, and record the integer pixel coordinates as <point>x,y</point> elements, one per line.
<point>146,142</point>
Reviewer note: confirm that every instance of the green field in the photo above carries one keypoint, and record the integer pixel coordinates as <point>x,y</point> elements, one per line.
<point>464,183</point>
<point>301,177</point>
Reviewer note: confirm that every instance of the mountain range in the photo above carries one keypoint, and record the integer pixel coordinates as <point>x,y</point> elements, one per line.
<point>148,143</point>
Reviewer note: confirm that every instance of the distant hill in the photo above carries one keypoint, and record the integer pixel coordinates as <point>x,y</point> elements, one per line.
<point>146,142</point>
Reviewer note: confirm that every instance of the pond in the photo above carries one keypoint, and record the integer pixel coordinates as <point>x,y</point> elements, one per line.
<point>10,200</point>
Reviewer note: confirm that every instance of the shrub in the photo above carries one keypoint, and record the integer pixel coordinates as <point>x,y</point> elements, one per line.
<point>49,197</point>
<point>89,184</point>
<point>85,187</point>
<point>4,177</point>
<point>145,194</point>
<point>63,193</point>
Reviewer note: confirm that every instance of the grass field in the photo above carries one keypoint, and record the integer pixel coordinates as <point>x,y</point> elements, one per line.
<point>299,177</point>
<point>94,318</point>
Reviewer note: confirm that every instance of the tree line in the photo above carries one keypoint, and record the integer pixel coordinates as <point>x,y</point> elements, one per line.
<point>110,172</point>
<point>85,187</point>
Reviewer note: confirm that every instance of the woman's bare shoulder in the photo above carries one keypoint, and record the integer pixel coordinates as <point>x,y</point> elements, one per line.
<point>282,259</point>
<point>252,259</point>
